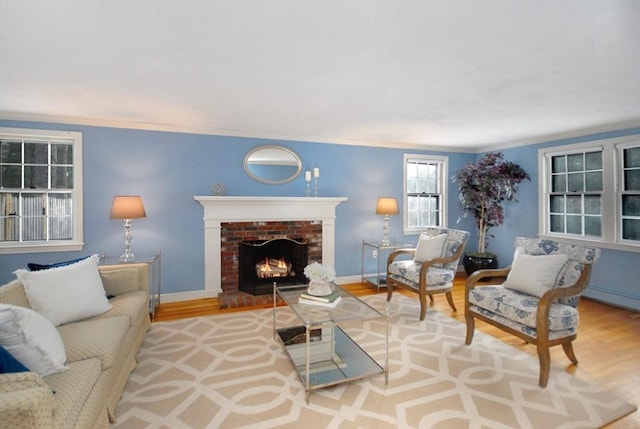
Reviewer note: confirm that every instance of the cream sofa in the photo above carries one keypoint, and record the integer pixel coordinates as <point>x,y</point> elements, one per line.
<point>100,355</point>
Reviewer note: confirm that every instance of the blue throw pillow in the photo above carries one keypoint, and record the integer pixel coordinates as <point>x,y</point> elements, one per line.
<point>10,364</point>
<point>38,267</point>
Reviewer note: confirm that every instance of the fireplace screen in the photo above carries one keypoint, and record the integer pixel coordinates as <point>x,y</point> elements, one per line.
<point>262,262</point>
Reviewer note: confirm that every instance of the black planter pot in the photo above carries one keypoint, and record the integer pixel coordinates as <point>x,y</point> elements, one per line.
<point>473,263</point>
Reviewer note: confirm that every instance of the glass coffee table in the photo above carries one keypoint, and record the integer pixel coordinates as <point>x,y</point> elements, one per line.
<point>320,349</point>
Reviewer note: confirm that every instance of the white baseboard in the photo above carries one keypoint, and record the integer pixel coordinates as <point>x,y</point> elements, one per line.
<point>348,280</point>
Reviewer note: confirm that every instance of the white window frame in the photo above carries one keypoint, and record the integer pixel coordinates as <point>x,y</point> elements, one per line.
<point>444,174</point>
<point>620,147</point>
<point>76,242</point>
<point>611,233</point>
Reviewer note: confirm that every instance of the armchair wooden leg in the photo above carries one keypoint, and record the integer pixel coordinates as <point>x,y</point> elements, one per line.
<point>423,305</point>
<point>568,350</point>
<point>450,301</point>
<point>545,365</point>
<point>470,328</point>
<point>389,290</point>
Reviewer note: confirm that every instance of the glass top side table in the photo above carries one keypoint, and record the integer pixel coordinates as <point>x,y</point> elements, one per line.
<point>155,275</point>
<point>372,249</point>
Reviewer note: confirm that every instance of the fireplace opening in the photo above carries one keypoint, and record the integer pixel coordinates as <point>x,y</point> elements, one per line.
<point>262,262</point>
<point>270,268</point>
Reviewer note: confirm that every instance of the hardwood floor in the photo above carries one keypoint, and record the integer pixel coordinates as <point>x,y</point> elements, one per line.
<point>608,343</point>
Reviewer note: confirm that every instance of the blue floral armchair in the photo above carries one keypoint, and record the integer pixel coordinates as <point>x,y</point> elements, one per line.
<point>431,276</point>
<point>544,315</point>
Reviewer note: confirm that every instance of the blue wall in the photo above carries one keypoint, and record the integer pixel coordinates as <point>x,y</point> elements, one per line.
<point>169,169</point>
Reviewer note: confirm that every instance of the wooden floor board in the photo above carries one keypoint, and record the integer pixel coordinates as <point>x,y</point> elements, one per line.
<point>607,347</point>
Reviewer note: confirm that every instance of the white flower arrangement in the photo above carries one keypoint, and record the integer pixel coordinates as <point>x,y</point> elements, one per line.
<point>319,273</point>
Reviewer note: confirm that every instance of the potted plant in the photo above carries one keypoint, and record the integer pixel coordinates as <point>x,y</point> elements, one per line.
<point>483,187</point>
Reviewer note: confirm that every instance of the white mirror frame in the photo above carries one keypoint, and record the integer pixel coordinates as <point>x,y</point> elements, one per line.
<point>272,155</point>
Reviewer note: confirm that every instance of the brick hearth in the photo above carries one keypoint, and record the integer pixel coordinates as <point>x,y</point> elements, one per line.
<point>238,299</point>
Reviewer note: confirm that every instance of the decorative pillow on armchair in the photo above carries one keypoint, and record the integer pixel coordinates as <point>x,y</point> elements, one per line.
<point>68,293</point>
<point>535,274</point>
<point>430,247</point>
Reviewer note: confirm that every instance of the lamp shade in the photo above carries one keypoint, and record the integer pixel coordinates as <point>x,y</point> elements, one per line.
<point>387,206</point>
<point>127,207</point>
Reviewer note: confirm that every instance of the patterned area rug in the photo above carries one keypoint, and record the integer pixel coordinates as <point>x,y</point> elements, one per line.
<point>227,371</point>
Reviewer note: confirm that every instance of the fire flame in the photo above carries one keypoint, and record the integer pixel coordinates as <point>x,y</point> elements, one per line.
<point>271,267</point>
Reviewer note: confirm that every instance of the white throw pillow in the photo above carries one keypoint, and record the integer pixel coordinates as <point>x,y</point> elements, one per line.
<point>535,274</point>
<point>66,294</point>
<point>430,247</point>
<point>31,339</point>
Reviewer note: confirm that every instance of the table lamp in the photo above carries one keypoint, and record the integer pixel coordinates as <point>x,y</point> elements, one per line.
<point>127,208</point>
<point>386,206</point>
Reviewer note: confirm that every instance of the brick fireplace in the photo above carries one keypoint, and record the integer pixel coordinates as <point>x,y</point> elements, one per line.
<point>228,220</point>
<point>234,233</point>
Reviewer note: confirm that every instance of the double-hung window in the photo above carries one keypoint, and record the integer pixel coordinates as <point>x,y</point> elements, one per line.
<point>591,192</point>
<point>40,190</point>
<point>425,187</point>
<point>629,193</point>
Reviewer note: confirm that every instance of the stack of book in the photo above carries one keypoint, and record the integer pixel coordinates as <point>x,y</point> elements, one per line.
<point>330,300</point>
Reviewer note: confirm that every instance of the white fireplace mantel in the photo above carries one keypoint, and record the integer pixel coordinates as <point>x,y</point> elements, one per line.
<point>218,210</point>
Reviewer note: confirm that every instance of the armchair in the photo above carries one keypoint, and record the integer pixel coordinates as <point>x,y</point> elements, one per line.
<point>432,266</point>
<point>538,300</point>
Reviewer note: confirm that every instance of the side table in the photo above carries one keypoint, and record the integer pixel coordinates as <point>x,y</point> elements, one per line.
<point>155,275</point>
<point>375,250</point>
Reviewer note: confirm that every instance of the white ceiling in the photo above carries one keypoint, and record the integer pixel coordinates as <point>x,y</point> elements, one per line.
<point>460,74</point>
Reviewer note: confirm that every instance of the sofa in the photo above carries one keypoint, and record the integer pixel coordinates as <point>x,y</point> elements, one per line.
<point>99,351</point>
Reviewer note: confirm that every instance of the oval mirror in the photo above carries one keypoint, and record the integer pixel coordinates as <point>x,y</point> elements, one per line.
<point>272,164</point>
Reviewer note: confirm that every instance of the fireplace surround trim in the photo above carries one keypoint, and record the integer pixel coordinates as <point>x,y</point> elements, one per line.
<point>218,210</point>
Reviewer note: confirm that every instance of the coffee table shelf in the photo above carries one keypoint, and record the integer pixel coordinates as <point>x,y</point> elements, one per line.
<point>320,349</point>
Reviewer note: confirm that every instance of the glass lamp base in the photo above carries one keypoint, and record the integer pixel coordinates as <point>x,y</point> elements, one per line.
<point>127,257</point>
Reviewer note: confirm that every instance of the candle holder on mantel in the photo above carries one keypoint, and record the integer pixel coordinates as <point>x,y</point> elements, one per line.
<point>307,191</point>
<point>316,177</point>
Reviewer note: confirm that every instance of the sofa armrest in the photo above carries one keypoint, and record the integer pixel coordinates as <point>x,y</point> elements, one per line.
<point>26,401</point>
<point>122,282</point>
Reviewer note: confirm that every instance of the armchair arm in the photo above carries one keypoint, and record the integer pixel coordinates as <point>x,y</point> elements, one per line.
<point>404,251</point>
<point>26,401</point>
<point>552,295</point>
<point>426,264</point>
<point>476,276</point>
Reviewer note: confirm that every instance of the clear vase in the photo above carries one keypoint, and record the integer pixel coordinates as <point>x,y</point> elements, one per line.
<point>319,288</point>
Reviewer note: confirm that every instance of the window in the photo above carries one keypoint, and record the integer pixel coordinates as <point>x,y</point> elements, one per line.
<point>591,192</point>
<point>424,192</point>
<point>40,190</point>
<point>630,192</point>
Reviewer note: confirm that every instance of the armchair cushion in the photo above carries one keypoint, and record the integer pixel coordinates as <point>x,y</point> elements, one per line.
<point>410,271</point>
<point>521,308</point>
<point>430,247</point>
<point>535,274</point>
